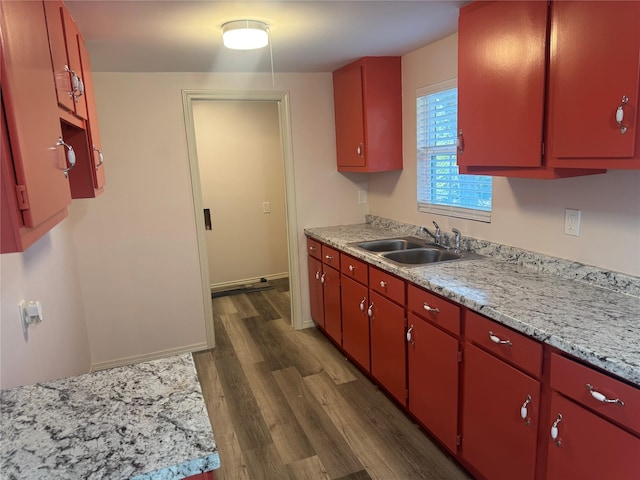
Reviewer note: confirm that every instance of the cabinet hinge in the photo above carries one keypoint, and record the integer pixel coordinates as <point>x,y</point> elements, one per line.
<point>458,440</point>
<point>459,356</point>
<point>21,196</point>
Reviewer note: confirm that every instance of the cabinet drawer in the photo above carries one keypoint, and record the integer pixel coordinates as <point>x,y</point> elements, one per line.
<point>387,285</point>
<point>314,248</point>
<point>434,308</point>
<point>331,257</point>
<point>521,351</point>
<point>353,268</point>
<point>572,379</point>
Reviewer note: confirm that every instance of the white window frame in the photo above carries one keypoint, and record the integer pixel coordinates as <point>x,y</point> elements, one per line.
<point>451,211</point>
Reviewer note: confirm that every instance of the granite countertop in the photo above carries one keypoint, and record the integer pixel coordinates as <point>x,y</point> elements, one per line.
<point>598,325</point>
<point>144,421</point>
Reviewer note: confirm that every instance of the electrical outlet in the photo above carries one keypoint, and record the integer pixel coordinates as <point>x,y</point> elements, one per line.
<point>362,197</point>
<point>266,207</point>
<point>572,222</point>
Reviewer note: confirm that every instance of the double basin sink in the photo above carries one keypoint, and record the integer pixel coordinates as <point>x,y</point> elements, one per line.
<point>413,251</point>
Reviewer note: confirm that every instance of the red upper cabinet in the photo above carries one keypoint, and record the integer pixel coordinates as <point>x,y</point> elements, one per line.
<point>502,74</point>
<point>368,113</point>
<point>593,75</point>
<point>501,78</point>
<point>65,58</point>
<point>35,186</point>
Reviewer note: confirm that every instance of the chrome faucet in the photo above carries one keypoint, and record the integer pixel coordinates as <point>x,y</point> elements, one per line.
<point>458,235</point>
<point>438,235</point>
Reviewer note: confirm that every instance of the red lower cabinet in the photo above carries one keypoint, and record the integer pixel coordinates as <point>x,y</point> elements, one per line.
<point>355,322</point>
<point>332,316</point>
<point>588,447</point>
<point>388,361</point>
<point>496,440</point>
<point>433,379</point>
<point>315,290</point>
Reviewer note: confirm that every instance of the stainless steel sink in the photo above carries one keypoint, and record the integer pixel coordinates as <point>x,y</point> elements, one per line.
<point>394,244</point>
<point>421,256</point>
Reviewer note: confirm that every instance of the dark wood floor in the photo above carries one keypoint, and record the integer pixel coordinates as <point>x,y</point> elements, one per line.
<point>286,404</point>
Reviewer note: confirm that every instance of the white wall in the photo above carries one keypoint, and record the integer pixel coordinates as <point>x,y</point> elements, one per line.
<point>58,346</point>
<point>526,213</point>
<point>136,244</point>
<point>241,166</point>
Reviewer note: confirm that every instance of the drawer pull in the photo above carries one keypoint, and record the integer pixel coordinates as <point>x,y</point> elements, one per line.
<point>498,340</point>
<point>429,308</point>
<point>524,414</point>
<point>364,300</point>
<point>312,249</point>
<point>602,398</point>
<point>351,268</point>
<point>620,114</point>
<point>410,336</point>
<point>328,257</point>
<point>554,430</point>
<point>383,283</point>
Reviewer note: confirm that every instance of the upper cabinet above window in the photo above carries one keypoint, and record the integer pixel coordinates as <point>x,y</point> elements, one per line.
<point>540,85</point>
<point>368,111</point>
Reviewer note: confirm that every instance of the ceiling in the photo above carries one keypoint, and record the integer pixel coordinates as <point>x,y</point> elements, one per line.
<point>306,36</point>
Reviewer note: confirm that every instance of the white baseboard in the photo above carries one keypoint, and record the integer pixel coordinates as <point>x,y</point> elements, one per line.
<point>148,356</point>
<point>247,281</point>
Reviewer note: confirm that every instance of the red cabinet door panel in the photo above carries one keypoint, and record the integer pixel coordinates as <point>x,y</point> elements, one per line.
<point>386,284</point>
<point>349,114</point>
<point>59,59</point>
<point>388,343</point>
<point>314,248</point>
<point>501,81</point>
<point>331,257</point>
<point>332,316</point>
<point>353,268</point>
<point>589,75</point>
<point>433,379</point>
<point>355,321</point>
<point>436,309</point>
<point>315,290</point>
<point>590,448</point>
<point>495,439</point>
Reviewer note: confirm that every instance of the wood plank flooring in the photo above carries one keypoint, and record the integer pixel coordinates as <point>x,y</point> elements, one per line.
<point>286,404</point>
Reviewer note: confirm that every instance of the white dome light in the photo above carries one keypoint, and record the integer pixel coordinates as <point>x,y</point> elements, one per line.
<point>245,34</point>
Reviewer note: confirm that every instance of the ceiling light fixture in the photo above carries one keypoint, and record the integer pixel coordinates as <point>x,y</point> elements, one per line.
<point>245,34</point>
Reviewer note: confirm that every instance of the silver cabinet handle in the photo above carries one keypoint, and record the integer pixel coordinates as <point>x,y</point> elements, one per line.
<point>460,142</point>
<point>370,310</point>
<point>362,303</point>
<point>524,414</point>
<point>351,268</point>
<point>76,84</point>
<point>620,114</point>
<point>360,150</point>
<point>100,156</point>
<point>383,283</point>
<point>554,430</point>
<point>70,156</point>
<point>410,336</point>
<point>429,308</point>
<point>498,340</point>
<point>601,397</point>
<point>318,275</point>
<point>328,257</point>
<point>312,248</point>
<point>322,278</point>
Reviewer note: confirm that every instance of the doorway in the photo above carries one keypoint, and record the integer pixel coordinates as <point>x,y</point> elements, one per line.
<point>245,201</point>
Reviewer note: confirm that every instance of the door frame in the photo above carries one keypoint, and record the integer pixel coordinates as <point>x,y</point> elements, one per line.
<point>284,114</point>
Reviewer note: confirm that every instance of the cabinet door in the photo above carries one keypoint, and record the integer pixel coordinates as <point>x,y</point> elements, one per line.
<point>59,59</point>
<point>495,439</point>
<point>29,97</point>
<point>95,143</point>
<point>316,290</point>
<point>355,321</point>
<point>349,113</point>
<point>588,77</point>
<point>433,379</point>
<point>589,448</point>
<point>501,80</point>
<point>331,294</point>
<point>388,358</point>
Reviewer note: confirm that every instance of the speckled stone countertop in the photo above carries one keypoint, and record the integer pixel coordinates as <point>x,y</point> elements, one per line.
<point>598,325</point>
<point>144,421</point>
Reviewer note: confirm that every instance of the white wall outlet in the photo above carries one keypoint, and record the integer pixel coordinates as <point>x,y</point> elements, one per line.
<point>572,222</point>
<point>362,197</point>
<point>266,207</point>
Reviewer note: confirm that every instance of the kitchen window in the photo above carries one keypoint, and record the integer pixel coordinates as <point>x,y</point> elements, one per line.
<point>441,189</point>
